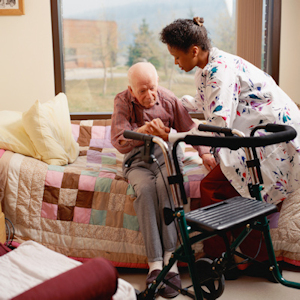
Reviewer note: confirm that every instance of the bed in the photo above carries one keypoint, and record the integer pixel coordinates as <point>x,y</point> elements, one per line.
<point>84,208</point>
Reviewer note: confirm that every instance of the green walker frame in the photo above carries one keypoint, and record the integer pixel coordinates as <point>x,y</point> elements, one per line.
<point>207,276</point>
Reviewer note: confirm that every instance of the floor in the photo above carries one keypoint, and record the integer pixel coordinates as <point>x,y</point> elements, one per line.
<point>243,288</point>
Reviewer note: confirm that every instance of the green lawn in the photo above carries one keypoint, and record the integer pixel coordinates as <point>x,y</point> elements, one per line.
<point>86,95</point>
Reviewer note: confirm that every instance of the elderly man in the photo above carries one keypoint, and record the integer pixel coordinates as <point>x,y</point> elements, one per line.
<point>142,107</point>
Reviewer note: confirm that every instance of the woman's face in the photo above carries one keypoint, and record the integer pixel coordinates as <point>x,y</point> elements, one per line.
<point>185,60</point>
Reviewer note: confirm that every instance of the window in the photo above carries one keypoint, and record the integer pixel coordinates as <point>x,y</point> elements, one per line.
<point>95,42</point>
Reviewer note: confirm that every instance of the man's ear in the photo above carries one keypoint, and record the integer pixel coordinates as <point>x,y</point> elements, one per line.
<point>131,91</point>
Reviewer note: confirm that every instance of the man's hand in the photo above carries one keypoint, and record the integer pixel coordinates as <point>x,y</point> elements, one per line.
<point>208,161</point>
<point>157,127</point>
<point>144,129</point>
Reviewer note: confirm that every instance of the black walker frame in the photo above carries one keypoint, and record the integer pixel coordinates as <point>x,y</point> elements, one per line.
<point>208,275</point>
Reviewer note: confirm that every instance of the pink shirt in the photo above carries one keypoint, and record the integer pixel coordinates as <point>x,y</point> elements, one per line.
<point>130,115</point>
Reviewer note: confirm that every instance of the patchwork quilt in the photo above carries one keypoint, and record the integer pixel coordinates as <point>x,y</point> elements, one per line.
<point>83,209</point>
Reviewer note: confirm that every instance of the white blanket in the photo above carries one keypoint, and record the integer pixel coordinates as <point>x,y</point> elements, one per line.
<point>31,264</point>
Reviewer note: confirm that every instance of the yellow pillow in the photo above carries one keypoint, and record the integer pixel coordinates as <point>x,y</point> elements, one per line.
<point>49,128</point>
<point>13,136</point>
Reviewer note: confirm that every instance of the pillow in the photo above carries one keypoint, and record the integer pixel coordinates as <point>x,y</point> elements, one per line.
<point>13,136</point>
<point>49,128</point>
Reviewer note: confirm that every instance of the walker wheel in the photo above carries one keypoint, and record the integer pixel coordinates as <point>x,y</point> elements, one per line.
<point>212,283</point>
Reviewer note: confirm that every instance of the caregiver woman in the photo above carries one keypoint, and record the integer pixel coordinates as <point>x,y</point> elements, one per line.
<point>231,92</point>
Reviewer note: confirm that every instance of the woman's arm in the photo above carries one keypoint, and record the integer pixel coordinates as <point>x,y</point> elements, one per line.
<point>220,88</point>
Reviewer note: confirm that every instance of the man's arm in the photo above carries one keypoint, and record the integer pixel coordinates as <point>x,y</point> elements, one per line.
<point>121,121</point>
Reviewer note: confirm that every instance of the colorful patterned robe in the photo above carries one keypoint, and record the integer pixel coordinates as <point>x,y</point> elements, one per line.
<point>232,92</point>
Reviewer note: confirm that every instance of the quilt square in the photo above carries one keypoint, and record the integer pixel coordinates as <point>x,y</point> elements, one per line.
<point>94,157</point>
<point>131,222</point>
<point>100,143</point>
<point>100,201</point>
<point>107,174</point>
<point>49,211</point>
<point>84,136</point>
<point>75,131</point>
<point>70,181</point>
<point>67,197</point>
<point>65,213</point>
<point>87,123</point>
<point>56,168</point>
<point>51,194</point>
<point>114,219</point>
<point>128,206</point>
<point>105,122</point>
<point>98,132</point>
<point>90,173</point>
<point>108,133</point>
<point>119,187</point>
<point>103,185</point>
<point>82,215</point>
<point>84,199</point>
<point>98,217</point>
<point>109,159</point>
<point>87,183</point>
<point>116,202</point>
<point>54,178</point>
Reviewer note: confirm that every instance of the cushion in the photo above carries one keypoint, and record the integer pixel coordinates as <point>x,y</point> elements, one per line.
<point>49,128</point>
<point>13,136</point>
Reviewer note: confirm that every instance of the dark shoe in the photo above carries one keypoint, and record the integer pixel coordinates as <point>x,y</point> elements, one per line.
<point>261,270</point>
<point>169,292</point>
<point>152,276</point>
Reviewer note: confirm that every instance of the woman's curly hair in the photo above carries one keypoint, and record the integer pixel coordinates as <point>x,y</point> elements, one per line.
<point>184,33</point>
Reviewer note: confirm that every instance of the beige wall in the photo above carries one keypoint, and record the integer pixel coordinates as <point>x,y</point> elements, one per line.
<point>26,57</point>
<point>289,79</point>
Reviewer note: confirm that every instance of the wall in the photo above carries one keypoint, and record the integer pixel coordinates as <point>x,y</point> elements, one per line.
<point>26,57</point>
<point>289,78</point>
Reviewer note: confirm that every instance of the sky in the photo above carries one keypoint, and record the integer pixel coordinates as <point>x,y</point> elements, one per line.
<point>73,7</point>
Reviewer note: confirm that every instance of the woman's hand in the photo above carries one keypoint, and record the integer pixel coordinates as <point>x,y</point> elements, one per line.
<point>157,127</point>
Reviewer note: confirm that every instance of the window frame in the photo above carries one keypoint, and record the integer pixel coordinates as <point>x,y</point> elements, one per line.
<point>272,64</point>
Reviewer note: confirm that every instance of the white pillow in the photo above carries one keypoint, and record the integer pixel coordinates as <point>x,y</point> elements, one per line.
<point>13,136</point>
<point>49,128</point>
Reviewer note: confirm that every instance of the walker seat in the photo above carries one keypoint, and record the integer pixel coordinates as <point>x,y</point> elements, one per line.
<point>228,214</point>
<point>207,275</point>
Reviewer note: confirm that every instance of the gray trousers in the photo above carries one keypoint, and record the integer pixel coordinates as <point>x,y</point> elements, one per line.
<point>152,197</point>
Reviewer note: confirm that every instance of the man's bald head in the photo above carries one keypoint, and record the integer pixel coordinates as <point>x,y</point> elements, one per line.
<point>143,83</point>
<point>140,70</point>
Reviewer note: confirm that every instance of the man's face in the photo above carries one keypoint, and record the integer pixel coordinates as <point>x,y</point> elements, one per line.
<point>144,89</point>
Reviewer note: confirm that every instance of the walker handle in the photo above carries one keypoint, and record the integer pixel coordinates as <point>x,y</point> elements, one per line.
<point>281,133</point>
<point>211,128</point>
<point>128,134</point>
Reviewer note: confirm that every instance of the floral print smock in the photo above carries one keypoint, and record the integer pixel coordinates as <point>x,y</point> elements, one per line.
<point>232,92</point>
